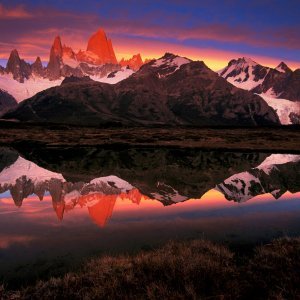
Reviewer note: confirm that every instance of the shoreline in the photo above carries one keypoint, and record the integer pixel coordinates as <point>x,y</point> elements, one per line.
<point>263,139</point>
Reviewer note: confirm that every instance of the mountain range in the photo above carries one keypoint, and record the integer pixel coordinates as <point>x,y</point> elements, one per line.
<point>171,90</point>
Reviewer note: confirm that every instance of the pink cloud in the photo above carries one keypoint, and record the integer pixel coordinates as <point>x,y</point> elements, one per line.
<point>34,35</point>
<point>18,12</point>
<point>285,37</point>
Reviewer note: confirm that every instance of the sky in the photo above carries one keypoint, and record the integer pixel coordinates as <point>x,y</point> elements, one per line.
<point>214,31</point>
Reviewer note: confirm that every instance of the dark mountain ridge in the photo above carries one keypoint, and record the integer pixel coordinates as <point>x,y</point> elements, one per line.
<point>169,91</point>
<point>7,102</point>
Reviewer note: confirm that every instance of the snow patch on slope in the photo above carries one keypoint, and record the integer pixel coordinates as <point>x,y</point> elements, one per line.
<point>277,159</point>
<point>22,91</point>
<point>283,107</point>
<point>22,167</point>
<point>167,192</point>
<point>280,69</point>
<point>34,85</point>
<point>171,62</point>
<point>114,181</point>
<point>71,62</point>
<point>242,183</point>
<point>245,85</point>
<point>118,76</point>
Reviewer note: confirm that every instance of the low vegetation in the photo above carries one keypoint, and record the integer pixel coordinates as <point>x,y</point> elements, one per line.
<point>267,139</point>
<point>180,270</point>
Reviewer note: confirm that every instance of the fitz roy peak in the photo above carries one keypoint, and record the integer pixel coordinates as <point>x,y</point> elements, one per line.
<point>102,47</point>
<point>65,62</point>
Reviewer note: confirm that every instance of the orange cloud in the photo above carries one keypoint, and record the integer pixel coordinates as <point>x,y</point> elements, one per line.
<point>17,12</point>
<point>34,37</point>
<point>213,58</point>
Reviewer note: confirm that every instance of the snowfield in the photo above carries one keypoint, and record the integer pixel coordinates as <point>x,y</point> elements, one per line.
<point>171,62</point>
<point>277,159</point>
<point>22,91</point>
<point>118,76</point>
<point>22,167</point>
<point>34,85</point>
<point>283,108</point>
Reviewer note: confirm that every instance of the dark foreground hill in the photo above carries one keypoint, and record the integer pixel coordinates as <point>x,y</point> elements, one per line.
<point>180,270</point>
<point>168,91</point>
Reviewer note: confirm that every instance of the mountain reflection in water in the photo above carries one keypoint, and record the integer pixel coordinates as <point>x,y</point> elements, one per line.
<point>83,177</point>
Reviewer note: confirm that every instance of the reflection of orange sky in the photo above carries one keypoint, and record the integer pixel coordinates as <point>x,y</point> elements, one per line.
<point>211,199</point>
<point>7,240</point>
<point>101,207</point>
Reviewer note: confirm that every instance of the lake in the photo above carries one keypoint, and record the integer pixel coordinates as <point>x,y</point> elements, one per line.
<point>67,204</point>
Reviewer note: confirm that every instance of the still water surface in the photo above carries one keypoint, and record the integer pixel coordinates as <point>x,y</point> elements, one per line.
<point>73,203</point>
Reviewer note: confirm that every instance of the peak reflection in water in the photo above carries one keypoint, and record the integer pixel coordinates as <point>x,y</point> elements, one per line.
<point>156,173</point>
<point>82,176</point>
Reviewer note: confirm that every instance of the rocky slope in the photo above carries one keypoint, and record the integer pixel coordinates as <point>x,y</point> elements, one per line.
<point>169,91</point>
<point>19,69</point>
<point>7,102</point>
<point>133,63</point>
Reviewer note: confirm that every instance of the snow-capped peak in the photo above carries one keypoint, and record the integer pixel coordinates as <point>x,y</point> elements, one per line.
<point>168,64</point>
<point>283,68</point>
<point>244,73</point>
<point>170,60</point>
<point>247,61</point>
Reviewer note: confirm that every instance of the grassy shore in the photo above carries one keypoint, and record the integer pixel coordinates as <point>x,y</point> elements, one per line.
<point>196,269</point>
<point>269,139</point>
